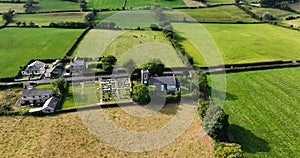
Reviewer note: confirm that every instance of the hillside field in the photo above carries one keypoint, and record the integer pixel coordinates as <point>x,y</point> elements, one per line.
<point>54,5</point>
<point>248,42</point>
<point>4,7</point>
<point>18,46</point>
<point>220,1</point>
<point>263,108</point>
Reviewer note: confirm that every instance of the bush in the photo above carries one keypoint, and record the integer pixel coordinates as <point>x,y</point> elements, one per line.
<point>203,106</point>
<point>228,150</point>
<point>140,94</point>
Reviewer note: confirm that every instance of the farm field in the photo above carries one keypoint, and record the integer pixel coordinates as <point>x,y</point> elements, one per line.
<point>103,15</point>
<point>219,1</point>
<point>96,4</point>
<point>118,43</point>
<point>4,7</point>
<point>18,46</point>
<point>59,135</point>
<point>55,5</point>
<point>250,42</point>
<point>216,14</point>
<point>47,18</point>
<point>263,108</point>
<point>295,6</point>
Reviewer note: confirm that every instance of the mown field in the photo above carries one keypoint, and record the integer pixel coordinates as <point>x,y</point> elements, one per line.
<point>114,4</point>
<point>55,5</point>
<point>219,1</point>
<point>18,46</point>
<point>58,136</point>
<point>247,42</point>
<point>47,18</point>
<point>263,108</point>
<point>216,14</point>
<point>141,46</point>
<point>4,7</point>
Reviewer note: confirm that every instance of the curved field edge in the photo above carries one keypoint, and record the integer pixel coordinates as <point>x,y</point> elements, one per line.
<point>263,108</point>
<point>18,46</point>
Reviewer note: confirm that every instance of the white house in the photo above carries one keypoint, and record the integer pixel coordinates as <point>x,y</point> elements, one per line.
<point>32,96</point>
<point>35,68</point>
<point>48,107</point>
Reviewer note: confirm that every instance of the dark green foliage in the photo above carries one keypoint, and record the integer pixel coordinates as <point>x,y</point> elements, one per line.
<point>228,150</point>
<point>155,67</point>
<point>203,106</point>
<point>268,16</point>
<point>140,94</point>
<point>60,85</point>
<point>69,25</point>
<point>5,109</point>
<point>215,123</point>
<point>89,17</point>
<point>109,59</point>
<point>8,16</point>
<point>277,3</point>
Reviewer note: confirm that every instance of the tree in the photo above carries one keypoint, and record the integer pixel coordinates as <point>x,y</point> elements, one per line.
<point>109,59</point>
<point>228,150</point>
<point>155,67</point>
<point>8,16</point>
<point>215,122</point>
<point>268,16</point>
<point>60,85</point>
<point>203,85</point>
<point>18,23</point>
<point>140,94</point>
<point>89,17</point>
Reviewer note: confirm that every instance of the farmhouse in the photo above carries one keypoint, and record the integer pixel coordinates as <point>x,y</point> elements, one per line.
<point>78,65</point>
<point>162,83</point>
<point>32,96</point>
<point>35,68</point>
<point>48,107</point>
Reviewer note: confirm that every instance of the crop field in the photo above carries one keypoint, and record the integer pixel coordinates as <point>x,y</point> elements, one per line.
<point>100,4</point>
<point>4,7</point>
<point>216,14</point>
<point>47,18</point>
<point>18,46</point>
<point>58,136</point>
<point>250,42</point>
<point>263,108</point>
<point>219,1</point>
<point>54,5</point>
<point>140,46</point>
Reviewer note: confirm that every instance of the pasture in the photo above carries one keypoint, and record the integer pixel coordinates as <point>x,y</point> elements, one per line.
<point>18,46</point>
<point>220,1</point>
<point>263,108</point>
<point>113,4</point>
<point>4,7</point>
<point>47,18</point>
<point>55,5</point>
<point>249,42</point>
<point>216,14</point>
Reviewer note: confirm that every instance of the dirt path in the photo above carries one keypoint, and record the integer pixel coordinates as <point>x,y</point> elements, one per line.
<point>193,3</point>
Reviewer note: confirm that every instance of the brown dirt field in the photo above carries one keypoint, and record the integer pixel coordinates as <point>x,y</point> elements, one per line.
<point>65,135</point>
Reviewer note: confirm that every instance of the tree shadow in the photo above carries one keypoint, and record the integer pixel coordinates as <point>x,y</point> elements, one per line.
<point>250,143</point>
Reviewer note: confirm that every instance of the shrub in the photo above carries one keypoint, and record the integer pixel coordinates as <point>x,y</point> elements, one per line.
<point>140,94</point>
<point>228,150</point>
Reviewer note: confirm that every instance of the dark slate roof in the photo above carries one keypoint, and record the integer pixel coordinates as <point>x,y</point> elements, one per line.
<point>36,92</point>
<point>35,65</point>
<point>170,80</point>
<point>53,102</point>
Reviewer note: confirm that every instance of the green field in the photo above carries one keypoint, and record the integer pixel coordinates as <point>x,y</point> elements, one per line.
<point>4,7</point>
<point>219,1</point>
<point>18,46</point>
<point>113,4</point>
<point>216,14</point>
<point>103,15</point>
<point>263,108</point>
<point>54,5</point>
<point>47,18</point>
<point>249,42</point>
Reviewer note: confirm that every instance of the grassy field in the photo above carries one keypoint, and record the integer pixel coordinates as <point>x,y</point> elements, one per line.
<point>54,5</point>
<point>57,136</point>
<point>249,43</point>
<point>18,46</point>
<point>113,4</point>
<point>216,14</point>
<point>4,7</point>
<point>263,108</point>
<point>140,46</point>
<point>219,1</point>
<point>103,15</point>
<point>46,19</point>
<point>295,6</point>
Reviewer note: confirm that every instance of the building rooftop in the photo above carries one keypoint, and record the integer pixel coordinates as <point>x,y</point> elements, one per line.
<point>37,92</point>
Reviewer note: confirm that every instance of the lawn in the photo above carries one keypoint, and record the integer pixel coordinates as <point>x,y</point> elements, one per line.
<point>263,108</point>
<point>55,5</point>
<point>47,18</point>
<point>216,14</point>
<point>141,46</point>
<point>113,4</point>
<point>246,42</point>
<point>18,46</point>
<point>4,7</point>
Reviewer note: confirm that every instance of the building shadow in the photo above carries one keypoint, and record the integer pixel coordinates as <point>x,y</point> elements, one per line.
<point>250,142</point>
